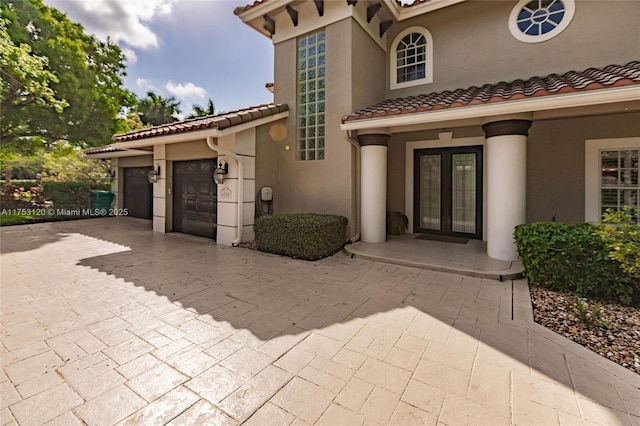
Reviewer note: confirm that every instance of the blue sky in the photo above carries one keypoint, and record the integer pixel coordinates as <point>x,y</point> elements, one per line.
<point>190,49</point>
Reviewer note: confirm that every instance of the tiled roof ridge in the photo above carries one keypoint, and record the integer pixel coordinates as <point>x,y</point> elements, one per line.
<point>219,121</point>
<point>568,82</point>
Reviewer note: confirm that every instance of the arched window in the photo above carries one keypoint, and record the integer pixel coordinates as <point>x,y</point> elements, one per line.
<point>534,21</point>
<point>411,58</point>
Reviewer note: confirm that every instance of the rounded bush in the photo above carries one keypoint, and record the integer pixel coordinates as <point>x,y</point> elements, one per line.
<point>305,236</point>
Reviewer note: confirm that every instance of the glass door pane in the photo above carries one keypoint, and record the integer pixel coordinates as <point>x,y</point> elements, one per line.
<point>430,191</point>
<point>463,191</point>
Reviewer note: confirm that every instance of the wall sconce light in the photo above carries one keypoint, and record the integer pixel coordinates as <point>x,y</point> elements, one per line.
<point>153,174</point>
<point>220,172</point>
<point>111,175</point>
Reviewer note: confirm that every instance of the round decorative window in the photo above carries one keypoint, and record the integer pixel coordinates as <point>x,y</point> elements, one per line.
<point>534,21</point>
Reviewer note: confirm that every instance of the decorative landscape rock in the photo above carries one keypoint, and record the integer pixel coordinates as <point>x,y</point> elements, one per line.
<point>619,341</point>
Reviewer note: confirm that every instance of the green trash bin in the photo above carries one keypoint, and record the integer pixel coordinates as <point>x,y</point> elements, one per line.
<point>101,203</point>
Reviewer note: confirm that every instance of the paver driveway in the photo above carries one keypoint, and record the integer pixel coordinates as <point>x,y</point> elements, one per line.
<point>105,322</point>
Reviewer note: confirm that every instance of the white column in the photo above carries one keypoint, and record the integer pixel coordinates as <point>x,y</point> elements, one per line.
<point>117,203</point>
<point>506,185</point>
<point>373,172</point>
<point>160,190</point>
<point>242,144</point>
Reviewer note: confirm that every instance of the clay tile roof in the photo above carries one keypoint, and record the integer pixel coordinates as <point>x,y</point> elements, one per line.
<point>102,149</point>
<point>220,121</point>
<point>569,82</point>
<point>241,9</point>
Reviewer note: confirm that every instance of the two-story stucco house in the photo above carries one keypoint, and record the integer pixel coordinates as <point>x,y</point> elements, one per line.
<point>470,117</point>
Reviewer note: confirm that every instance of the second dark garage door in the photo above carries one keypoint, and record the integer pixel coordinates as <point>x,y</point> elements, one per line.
<point>195,198</point>
<point>138,192</point>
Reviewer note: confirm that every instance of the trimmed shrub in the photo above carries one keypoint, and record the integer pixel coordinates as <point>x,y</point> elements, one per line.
<point>621,230</point>
<point>305,236</point>
<point>573,258</point>
<point>71,195</point>
<point>21,183</point>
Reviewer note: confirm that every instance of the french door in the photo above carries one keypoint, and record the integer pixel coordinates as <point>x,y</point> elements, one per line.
<point>448,191</point>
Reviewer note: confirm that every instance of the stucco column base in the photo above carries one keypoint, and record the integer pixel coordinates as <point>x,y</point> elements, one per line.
<point>506,185</point>
<point>373,171</point>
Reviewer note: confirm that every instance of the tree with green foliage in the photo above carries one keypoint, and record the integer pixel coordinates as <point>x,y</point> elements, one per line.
<point>155,110</point>
<point>24,77</point>
<point>66,163</point>
<point>65,86</point>
<point>199,111</point>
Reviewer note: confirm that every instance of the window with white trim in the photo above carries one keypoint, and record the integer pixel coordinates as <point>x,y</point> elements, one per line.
<point>535,21</point>
<point>611,175</point>
<point>411,57</point>
<point>619,179</point>
<point>311,96</point>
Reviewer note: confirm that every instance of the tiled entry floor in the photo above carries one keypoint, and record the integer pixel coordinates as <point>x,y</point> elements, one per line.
<point>104,322</point>
<point>467,259</point>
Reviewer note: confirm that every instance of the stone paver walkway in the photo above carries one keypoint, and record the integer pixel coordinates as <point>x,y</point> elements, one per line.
<point>104,322</point>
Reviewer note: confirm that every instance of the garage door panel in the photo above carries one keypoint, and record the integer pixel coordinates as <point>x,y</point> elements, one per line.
<point>194,198</point>
<point>138,192</point>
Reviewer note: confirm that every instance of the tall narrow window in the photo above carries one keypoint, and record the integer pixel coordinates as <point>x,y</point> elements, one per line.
<point>411,58</point>
<point>619,185</point>
<point>311,96</point>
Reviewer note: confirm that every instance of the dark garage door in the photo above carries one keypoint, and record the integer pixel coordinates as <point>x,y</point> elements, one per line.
<point>138,192</point>
<point>195,198</point>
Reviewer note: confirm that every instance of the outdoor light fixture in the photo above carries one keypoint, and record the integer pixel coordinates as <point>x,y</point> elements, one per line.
<point>110,174</point>
<point>153,174</point>
<point>220,172</point>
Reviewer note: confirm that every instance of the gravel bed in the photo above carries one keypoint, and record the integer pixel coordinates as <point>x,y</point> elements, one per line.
<point>616,338</point>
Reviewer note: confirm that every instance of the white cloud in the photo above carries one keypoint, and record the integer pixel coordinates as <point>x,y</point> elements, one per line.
<point>146,85</point>
<point>188,92</point>
<point>131,56</point>
<point>121,20</point>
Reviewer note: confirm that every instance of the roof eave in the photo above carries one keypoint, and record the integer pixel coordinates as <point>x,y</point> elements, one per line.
<point>401,13</point>
<point>560,101</point>
<point>252,17</point>
<point>194,135</point>
<point>119,153</point>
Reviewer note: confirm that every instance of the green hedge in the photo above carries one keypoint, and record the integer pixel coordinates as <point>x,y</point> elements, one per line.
<point>301,236</point>
<point>574,258</point>
<point>21,183</point>
<point>71,195</point>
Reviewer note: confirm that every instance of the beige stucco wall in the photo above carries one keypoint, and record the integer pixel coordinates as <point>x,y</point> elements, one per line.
<point>194,150</point>
<point>368,65</point>
<point>473,45</point>
<point>326,186</point>
<point>140,161</point>
<point>556,162</point>
<point>267,164</point>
